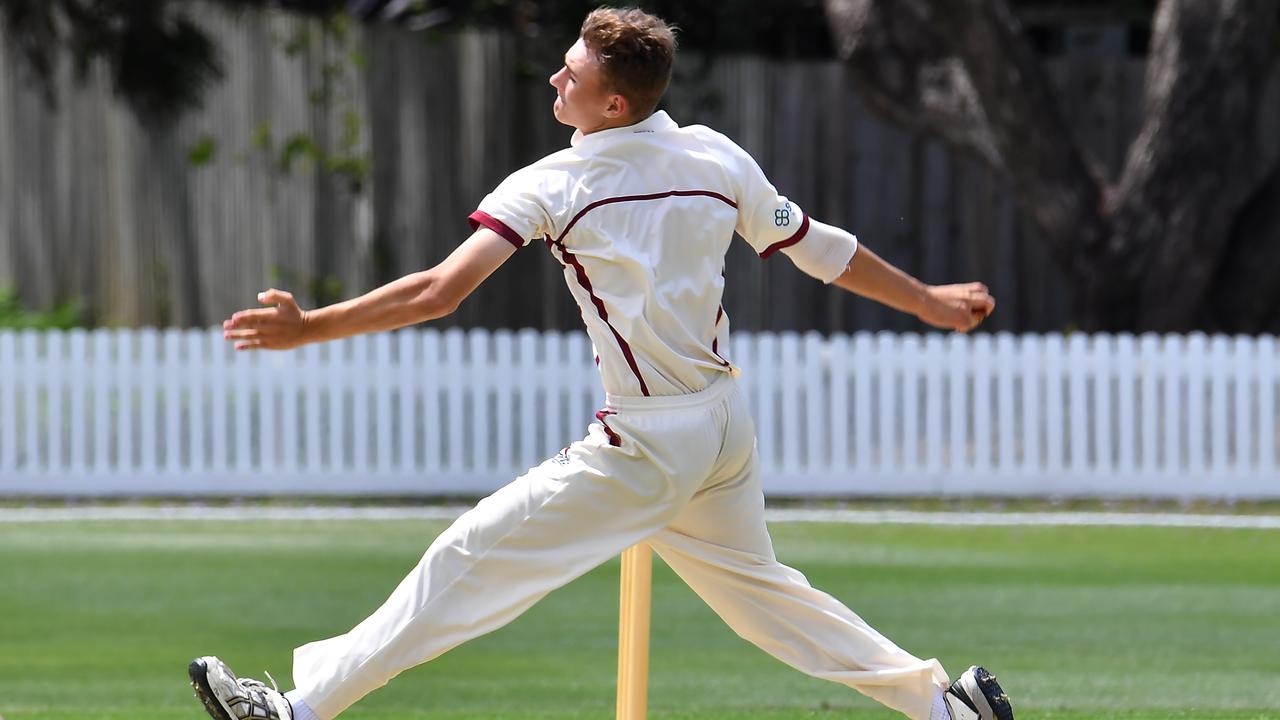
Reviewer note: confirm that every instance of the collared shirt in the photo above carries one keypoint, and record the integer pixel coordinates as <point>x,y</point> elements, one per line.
<point>641,218</point>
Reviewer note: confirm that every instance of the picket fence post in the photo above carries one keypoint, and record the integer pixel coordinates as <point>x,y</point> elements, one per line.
<point>424,411</point>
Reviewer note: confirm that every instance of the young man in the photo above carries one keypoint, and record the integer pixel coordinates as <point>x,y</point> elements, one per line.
<point>640,213</point>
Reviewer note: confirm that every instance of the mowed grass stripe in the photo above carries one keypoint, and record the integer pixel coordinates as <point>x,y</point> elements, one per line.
<point>1258,516</point>
<point>98,620</point>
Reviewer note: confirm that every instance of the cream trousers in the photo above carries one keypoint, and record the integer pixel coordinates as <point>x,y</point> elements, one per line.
<point>680,472</point>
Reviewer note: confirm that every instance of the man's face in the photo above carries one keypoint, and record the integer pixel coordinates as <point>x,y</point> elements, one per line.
<point>583,100</point>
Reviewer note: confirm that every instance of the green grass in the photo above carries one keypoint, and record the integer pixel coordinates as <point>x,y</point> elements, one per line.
<point>98,620</point>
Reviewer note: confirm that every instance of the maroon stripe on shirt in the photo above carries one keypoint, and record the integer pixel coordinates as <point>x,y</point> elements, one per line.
<point>804,228</point>
<point>653,196</point>
<point>481,217</point>
<point>585,282</point>
<point>581,272</point>
<point>614,439</point>
<point>715,340</point>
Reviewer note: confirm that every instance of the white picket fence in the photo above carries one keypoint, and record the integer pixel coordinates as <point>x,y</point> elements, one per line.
<point>427,413</point>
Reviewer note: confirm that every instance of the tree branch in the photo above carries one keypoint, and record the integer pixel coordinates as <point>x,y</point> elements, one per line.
<point>902,69</point>
<point>962,69</point>
<point>1040,154</point>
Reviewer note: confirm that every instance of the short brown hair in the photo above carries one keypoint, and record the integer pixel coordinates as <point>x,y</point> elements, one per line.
<point>636,51</point>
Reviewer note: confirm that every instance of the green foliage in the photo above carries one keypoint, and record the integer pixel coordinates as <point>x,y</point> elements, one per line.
<point>350,165</point>
<point>350,129</point>
<point>262,139</point>
<point>13,316</point>
<point>296,44</point>
<point>332,93</point>
<point>299,145</point>
<point>355,168</point>
<point>337,26</point>
<point>202,151</point>
<point>160,59</point>
<point>321,290</point>
<point>319,96</point>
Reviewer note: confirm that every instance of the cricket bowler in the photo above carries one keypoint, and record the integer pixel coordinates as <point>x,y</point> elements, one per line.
<point>640,212</point>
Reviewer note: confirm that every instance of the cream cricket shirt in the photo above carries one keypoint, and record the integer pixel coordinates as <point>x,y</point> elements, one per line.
<point>641,217</point>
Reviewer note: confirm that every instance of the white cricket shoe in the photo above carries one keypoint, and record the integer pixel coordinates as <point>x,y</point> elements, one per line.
<point>976,695</point>
<point>227,697</point>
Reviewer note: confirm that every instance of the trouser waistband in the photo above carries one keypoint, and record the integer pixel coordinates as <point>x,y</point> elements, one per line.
<point>712,394</point>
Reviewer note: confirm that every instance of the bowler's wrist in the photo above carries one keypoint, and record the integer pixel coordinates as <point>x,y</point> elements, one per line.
<point>312,326</point>
<point>925,301</point>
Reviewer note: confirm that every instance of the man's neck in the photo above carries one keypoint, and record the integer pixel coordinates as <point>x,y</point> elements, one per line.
<point>611,124</point>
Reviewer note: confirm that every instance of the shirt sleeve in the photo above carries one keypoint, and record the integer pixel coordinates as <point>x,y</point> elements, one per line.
<point>767,220</point>
<point>516,209</point>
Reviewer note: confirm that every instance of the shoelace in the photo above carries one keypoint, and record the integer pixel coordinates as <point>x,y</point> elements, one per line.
<point>250,682</point>
<point>256,684</point>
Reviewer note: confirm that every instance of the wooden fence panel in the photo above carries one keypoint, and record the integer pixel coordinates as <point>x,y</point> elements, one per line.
<point>95,206</point>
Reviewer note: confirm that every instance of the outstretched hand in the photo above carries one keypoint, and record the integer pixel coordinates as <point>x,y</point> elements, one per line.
<point>957,307</point>
<point>282,326</point>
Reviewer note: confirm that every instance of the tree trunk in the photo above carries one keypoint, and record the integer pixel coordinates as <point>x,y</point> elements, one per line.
<point>1193,165</point>
<point>1246,294</point>
<point>1142,253</point>
<point>980,87</point>
<point>899,60</point>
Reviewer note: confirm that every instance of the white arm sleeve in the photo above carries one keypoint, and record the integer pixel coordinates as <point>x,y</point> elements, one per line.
<point>824,253</point>
<point>771,223</point>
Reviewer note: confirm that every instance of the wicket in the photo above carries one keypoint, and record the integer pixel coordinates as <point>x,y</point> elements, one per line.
<point>633,632</point>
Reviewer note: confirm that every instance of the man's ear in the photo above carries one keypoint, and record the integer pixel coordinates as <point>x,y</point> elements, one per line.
<point>617,107</point>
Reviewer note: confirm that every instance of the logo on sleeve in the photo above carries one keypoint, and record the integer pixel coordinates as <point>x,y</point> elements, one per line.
<point>782,216</point>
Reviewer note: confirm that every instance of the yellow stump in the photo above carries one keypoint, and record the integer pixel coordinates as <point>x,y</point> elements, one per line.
<point>633,632</point>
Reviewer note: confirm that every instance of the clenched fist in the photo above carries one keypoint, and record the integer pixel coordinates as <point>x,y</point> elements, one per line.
<point>957,307</point>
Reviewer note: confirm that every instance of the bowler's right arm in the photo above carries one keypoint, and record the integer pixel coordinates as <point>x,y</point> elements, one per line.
<point>415,298</point>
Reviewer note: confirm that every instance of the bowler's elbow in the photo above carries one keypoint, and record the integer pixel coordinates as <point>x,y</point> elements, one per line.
<point>443,288</point>
<point>435,303</point>
<point>434,298</point>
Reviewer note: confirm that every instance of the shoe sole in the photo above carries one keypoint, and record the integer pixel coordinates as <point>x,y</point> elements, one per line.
<point>995,695</point>
<point>199,673</point>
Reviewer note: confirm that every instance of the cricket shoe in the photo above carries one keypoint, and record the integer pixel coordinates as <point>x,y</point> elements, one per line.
<point>976,695</point>
<point>227,697</point>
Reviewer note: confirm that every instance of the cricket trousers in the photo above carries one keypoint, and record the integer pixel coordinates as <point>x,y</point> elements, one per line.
<point>679,472</point>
